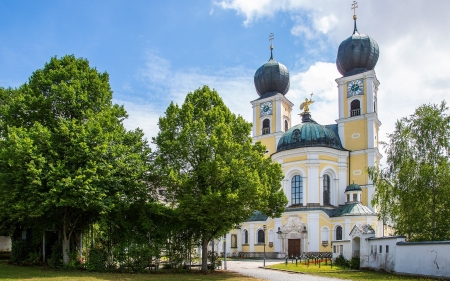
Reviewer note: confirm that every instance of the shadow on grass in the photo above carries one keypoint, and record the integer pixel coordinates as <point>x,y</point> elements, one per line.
<point>13,272</point>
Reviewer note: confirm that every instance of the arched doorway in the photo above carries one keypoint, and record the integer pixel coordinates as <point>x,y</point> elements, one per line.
<point>356,242</point>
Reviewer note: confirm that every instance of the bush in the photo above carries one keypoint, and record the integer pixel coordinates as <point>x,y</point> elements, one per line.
<point>97,259</point>
<point>20,250</point>
<point>341,261</point>
<point>354,263</point>
<point>56,258</point>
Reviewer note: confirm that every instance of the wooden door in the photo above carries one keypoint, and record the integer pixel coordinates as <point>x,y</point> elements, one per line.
<point>293,247</point>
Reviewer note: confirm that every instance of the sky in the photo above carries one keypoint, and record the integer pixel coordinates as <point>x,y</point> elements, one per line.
<point>157,51</point>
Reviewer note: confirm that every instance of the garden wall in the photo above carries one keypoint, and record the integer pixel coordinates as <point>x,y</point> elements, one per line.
<point>423,258</point>
<point>5,244</point>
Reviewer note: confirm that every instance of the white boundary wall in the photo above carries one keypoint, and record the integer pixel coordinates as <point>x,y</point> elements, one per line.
<point>423,258</point>
<point>5,244</point>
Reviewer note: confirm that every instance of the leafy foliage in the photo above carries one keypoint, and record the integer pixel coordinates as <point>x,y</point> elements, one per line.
<point>215,176</point>
<point>414,189</point>
<point>65,156</point>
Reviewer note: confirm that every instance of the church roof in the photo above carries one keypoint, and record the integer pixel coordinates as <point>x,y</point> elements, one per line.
<point>353,187</point>
<point>271,78</point>
<point>310,134</point>
<point>363,228</point>
<point>258,216</point>
<point>356,209</point>
<point>357,54</point>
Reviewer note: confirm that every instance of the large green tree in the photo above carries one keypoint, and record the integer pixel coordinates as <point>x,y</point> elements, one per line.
<point>215,175</point>
<point>65,156</point>
<point>414,189</point>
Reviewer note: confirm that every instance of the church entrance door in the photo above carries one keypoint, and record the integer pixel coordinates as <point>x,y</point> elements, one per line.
<point>293,247</point>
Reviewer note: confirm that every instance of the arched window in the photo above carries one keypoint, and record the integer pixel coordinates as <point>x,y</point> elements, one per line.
<point>355,108</point>
<point>245,236</point>
<point>325,234</point>
<point>297,190</point>
<point>286,125</point>
<point>326,189</point>
<point>260,236</point>
<point>338,233</point>
<point>266,127</point>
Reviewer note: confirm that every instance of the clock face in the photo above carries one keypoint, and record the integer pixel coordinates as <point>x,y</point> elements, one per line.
<point>355,87</point>
<point>266,108</point>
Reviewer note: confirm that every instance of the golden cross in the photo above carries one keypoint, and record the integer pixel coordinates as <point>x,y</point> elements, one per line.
<point>271,38</point>
<point>354,6</point>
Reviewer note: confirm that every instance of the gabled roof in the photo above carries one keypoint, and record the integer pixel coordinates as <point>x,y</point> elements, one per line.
<point>356,209</point>
<point>258,216</point>
<point>363,229</point>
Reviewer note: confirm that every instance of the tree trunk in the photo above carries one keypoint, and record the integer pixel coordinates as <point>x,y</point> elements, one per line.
<point>204,255</point>
<point>66,247</point>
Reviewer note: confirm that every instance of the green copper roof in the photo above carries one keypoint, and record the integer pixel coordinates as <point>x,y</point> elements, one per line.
<point>353,187</point>
<point>356,209</point>
<point>310,134</point>
<point>258,216</point>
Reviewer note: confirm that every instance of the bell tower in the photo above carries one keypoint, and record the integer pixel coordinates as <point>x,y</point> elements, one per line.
<point>358,122</point>
<point>272,110</point>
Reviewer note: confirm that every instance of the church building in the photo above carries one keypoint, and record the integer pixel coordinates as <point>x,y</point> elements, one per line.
<point>324,166</point>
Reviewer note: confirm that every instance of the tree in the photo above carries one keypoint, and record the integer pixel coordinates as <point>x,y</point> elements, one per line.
<point>65,156</point>
<point>214,174</point>
<point>414,189</point>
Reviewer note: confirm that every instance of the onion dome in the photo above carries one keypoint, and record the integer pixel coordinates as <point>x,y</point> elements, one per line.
<point>310,134</point>
<point>272,78</point>
<point>353,187</point>
<point>357,54</point>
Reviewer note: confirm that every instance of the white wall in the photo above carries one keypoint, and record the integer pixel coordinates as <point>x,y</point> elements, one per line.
<point>5,243</point>
<point>423,258</point>
<point>383,260</point>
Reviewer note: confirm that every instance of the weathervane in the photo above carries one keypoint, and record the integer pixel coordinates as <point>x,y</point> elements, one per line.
<point>354,6</point>
<point>271,40</point>
<point>305,105</point>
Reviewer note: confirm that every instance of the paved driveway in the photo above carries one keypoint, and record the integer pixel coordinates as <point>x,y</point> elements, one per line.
<point>251,268</point>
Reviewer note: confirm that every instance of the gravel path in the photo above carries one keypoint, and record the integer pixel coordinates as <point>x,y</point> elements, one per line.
<point>252,268</point>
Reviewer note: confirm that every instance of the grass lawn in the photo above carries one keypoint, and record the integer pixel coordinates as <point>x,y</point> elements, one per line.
<point>11,272</point>
<point>344,273</point>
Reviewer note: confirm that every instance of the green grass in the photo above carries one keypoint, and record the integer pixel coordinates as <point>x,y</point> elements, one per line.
<point>35,273</point>
<point>345,273</point>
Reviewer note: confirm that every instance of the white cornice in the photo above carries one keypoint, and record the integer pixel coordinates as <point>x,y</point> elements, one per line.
<point>307,151</point>
<point>367,151</point>
<point>367,74</point>
<point>371,115</point>
<point>271,98</point>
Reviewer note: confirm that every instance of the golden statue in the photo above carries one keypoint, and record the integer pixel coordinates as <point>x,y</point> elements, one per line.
<point>305,105</point>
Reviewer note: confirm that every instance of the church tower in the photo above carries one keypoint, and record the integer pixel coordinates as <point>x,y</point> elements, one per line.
<point>272,110</point>
<point>358,122</point>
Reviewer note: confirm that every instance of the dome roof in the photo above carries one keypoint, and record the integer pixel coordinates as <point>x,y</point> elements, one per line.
<point>353,187</point>
<point>310,134</point>
<point>272,77</point>
<point>356,54</point>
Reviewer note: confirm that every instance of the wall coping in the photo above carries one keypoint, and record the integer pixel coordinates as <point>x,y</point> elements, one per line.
<point>423,243</point>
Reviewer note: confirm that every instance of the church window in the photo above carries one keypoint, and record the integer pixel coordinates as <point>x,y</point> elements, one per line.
<point>326,189</point>
<point>339,233</point>
<point>375,104</point>
<point>355,108</point>
<point>261,236</point>
<point>233,240</point>
<point>348,197</point>
<point>297,190</point>
<point>355,197</point>
<point>286,125</point>
<point>387,248</point>
<point>245,236</point>
<point>325,234</point>
<point>266,127</point>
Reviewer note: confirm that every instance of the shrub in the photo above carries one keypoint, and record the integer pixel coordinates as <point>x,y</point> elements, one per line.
<point>96,260</point>
<point>341,261</point>
<point>56,258</point>
<point>354,263</point>
<point>20,250</point>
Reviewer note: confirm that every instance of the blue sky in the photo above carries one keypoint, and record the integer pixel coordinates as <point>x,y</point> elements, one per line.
<point>158,51</point>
